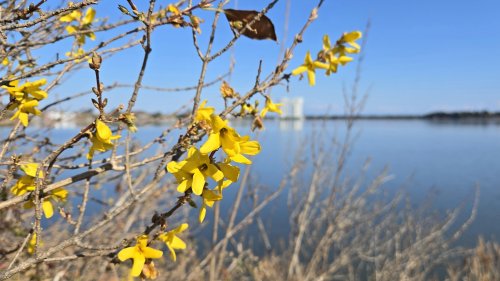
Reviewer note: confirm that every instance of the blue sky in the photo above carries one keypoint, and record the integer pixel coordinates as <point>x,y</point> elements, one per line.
<point>421,56</point>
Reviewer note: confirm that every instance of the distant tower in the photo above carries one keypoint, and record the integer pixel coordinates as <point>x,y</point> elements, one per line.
<point>293,108</point>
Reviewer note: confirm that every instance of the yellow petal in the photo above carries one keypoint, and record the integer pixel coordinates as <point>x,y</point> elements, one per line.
<point>217,123</point>
<point>250,147</point>
<point>311,78</point>
<point>213,142</point>
<point>172,253</point>
<point>71,29</point>
<point>48,210</point>
<point>126,253</point>
<point>308,59</point>
<point>173,167</point>
<point>318,64</point>
<point>264,112</point>
<point>60,193</point>
<point>214,173</point>
<point>198,182</point>
<point>151,253</point>
<point>230,143</point>
<point>139,261</point>
<point>89,16</point>
<point>299,70</point>
<point>351,36</point>
<point>211,196</point>
<point>230,172</point>
<point>223,184</point>
<point>181,228</point>
<point>238,158</point>
<point>70,17</point>
<point>184,185</point>
<point>354,45</point>
<point>351,50</point>
<point>177,243</point>
<point>203,212</point>
<point>326,43</point>
<point>40,95</point>
<point>30,169</point>
<point>192,151</point>
<point>30,104</point>
<point>344,60</point>
<point>103,131</point>
<point>24,118</point>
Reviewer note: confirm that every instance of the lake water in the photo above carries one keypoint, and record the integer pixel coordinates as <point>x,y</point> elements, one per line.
<point>439,160</point>
<point>447,159</point>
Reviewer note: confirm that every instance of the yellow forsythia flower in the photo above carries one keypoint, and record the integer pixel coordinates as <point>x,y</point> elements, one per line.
<point>56,195</point>
<point>350,38</point>
<point>83,23</point>
<point>194,171</point>
<point>139,253</point>
<point>230,172</point>
<point>270,106</point>
<point>209,198</point>
<point>203,113</point>
<point>329,57</point>
<point>172,241</point>
<point>310,66</point>
<point>73,16</point>
<point>231,142</point>
<point>101,139</point>
<point>26,183</point>
<point>25,98</point>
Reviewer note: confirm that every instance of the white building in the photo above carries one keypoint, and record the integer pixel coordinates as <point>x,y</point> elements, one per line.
<point>293,108</point>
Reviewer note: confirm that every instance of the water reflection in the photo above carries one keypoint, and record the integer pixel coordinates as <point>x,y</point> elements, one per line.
<point>291,124</point>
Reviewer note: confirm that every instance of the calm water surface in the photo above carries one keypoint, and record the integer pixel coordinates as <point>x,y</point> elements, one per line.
<point>444,159</point>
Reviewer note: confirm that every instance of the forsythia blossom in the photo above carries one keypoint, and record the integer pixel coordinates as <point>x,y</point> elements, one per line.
<point>27,184</point>
<point>101,139</point>
<point>329,58</point>
<point>25,98</point>
<point>56,195</point>
<point>172,241</point>
<point>209,198</point>
<point>83,23</point>
<point>270,106</point>
<point>194,171</point>
<point>139,253</point>
<point>203,113</point>
<point>231,142</point>
<point>310,66</point>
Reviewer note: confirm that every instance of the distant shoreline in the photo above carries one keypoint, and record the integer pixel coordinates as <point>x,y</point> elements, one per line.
<point>481,115</point>
<point>79,119</point>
